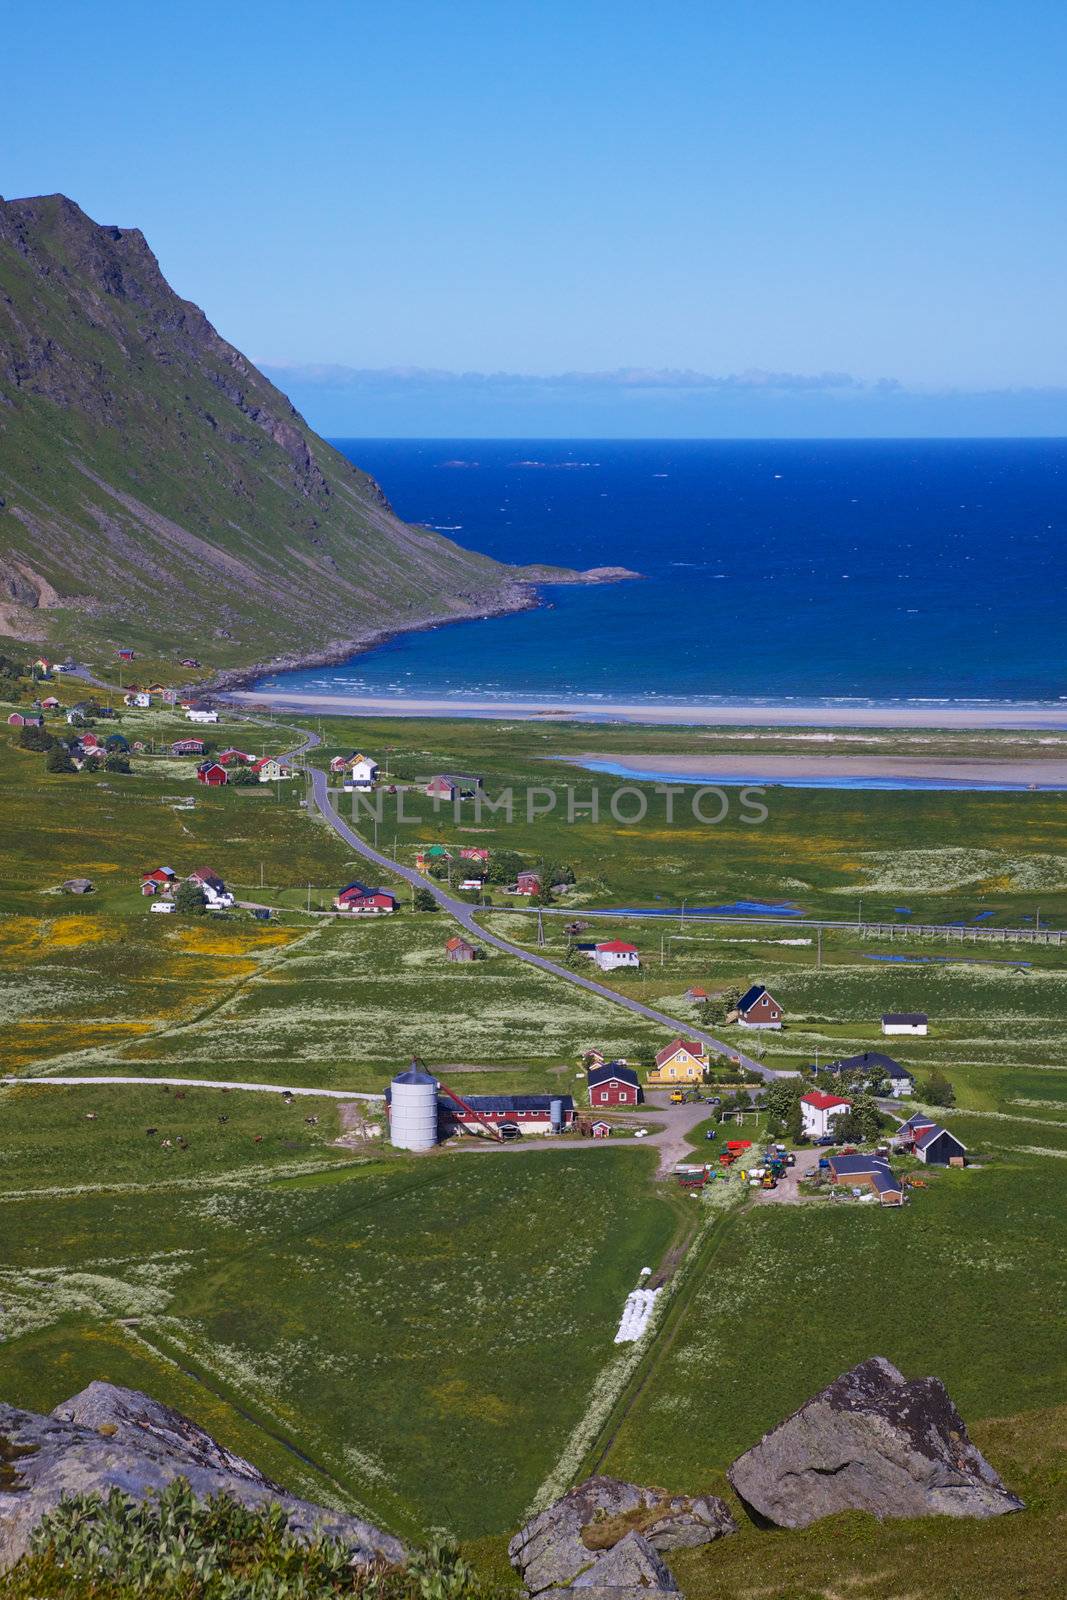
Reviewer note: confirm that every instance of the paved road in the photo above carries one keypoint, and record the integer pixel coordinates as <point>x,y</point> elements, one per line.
<point>465,916</point>
<point>206,1083</point>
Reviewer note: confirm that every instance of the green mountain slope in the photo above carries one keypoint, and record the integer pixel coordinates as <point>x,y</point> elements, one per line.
<point>156,490</point>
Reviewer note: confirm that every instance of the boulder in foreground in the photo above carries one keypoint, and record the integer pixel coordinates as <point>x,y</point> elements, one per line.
<point>108,1437</point>
<point>870,1441</point>
<point>604,1529</point>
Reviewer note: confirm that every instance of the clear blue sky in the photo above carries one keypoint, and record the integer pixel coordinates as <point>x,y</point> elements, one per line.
<point>800,186</point>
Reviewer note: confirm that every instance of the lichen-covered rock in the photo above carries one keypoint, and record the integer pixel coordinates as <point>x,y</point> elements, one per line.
<point>108,1437</point>
<point>870,1441</point>
<point>551,1553</point>
<point>630,1564</point>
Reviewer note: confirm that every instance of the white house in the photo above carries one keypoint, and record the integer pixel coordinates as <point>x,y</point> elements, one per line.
<point>216,894</point>
<point>362,773</point>
<point>818,1111</point>
<point>193,715</point>
<point>615,953</point>
<point>914,1022</point>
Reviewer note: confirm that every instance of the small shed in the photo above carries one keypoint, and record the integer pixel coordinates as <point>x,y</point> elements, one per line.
<point>601,1129</point>
<point>913,1022</point>
<point>459,949</point>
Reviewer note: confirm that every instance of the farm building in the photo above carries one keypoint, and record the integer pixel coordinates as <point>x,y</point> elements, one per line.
<point>818,1111</point>
<point>525,1113</point>
<point>200,714</point>
<point>50,704</point>
<point>216,894</point>
<point>695,995</point>
<point>26,719</point>
<point>459,949</point>
<point>139,698</point>
<point>613,1084</point>
<point>593,1058</point>
<point>601,1129</point>
<point>453,785</point>
<point>870,1172</point>
<point>681,1061</point>
<point>359,899</point>
<point>160,880</point>
<point>875,1068</point>
<point>233,758</point>
<point>914,1022</point>
<point>759,1009</point>
<point>41,668</point>
<point>921,1136</point>
<point>615,953</point>
<point>473,852</point>
<point>528,882</point>
<point>211,773</point>
<point>188,747</point>
<point>124,654</point>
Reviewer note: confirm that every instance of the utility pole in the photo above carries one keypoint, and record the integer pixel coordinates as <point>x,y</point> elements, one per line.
<point>818,959</point>
<point>540,930</point>
<point>309,899</point>
<point>261,875</point>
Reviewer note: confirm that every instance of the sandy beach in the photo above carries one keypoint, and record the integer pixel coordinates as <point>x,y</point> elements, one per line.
<point>840,767</point>
<point>908,715</point>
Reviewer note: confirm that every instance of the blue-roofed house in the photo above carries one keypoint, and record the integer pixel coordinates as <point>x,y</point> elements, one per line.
<point>757,1008</point>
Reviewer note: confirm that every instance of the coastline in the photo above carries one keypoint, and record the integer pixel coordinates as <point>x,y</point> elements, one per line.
<point>1052,718</point>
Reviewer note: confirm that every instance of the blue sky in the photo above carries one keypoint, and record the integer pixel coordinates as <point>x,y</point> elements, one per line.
<point>722,187</point>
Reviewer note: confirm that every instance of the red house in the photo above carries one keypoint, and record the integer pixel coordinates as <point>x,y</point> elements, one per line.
<point>211,773</point>
<point>357,897</point>
<point>227,758</point>
<point>759,1009</point>
<point>26,719</point>
<point>613,1085</point>
<point>125,655</point>
<point>528,883</point>
<point>473,852</point>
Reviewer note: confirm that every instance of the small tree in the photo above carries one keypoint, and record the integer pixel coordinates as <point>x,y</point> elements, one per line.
<point>861,1124</point>
<point>242,777</point>
<point>423,900</point>
<point>117,762</point>
<point>189,898</point>
<point>724,1003</point>
<point>938,1090</point>
<point>58,759</point>
<point>36,739</point>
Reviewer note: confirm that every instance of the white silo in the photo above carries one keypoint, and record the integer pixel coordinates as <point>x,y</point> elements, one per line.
<point>413,1109</point>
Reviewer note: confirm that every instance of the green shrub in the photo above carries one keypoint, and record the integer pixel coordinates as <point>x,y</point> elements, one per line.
<point>36,739</point>
<point>173,1546</point>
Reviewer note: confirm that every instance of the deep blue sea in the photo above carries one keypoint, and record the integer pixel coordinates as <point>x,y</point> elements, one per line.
<point>886,571</point>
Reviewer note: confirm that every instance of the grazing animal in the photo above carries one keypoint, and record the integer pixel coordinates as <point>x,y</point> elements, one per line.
<point>167,1144</point>
<point>257,1138</point>
<point>312,1122</point>
<point>90,1116</point>
<point>224,1119</point>
<point>150,1131</point>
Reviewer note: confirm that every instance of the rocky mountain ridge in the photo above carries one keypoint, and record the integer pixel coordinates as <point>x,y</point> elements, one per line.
<point>157,490</point>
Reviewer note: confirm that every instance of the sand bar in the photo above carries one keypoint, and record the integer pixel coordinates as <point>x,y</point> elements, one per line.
<point>906,715</point>
<point>842,767</point>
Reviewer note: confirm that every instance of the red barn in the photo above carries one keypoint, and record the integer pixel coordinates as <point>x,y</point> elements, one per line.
<point>613,1085</point>
<point>357,897</point>
<point>211,773</point>
<point>125,655</point>
<point>25,719</point>
<point>528,883</point>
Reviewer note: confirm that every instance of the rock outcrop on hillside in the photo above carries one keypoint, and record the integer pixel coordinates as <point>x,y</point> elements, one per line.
<point>607,1534</point>
<point>108,1437</point>
<point>870,1441</point>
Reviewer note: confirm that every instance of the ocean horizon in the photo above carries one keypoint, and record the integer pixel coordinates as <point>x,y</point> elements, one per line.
<point>826,573</point>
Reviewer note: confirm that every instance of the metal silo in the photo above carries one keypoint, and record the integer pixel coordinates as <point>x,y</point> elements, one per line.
<point>413,1109</point>
<point>555,1113</point>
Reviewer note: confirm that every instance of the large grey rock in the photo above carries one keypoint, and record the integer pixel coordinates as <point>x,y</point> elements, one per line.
<point>550,1552</point>
<point>871,1441</point>
<point>630,1564</point>
<point>107,1437</point>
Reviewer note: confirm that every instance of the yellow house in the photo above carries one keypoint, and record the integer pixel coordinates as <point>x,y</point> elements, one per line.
<point>681,1061</point>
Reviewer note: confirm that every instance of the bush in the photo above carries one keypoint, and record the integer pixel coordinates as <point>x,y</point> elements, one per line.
<point>117,762</point>
<point>242,777</point>
<point>937,1090</point>
<point>189,897</point>
<point>175,1547</point>
<point>58,760</point>
<point>36,739</point>
<point>423,900</point>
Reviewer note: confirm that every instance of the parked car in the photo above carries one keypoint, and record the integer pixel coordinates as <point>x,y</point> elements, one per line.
<point>677,1097</point>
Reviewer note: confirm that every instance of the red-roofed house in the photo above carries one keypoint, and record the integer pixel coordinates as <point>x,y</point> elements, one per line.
<point>268,768</point>
<point>681,1061</point>
<point>695,995</point>
<point>615,953</point>
<point>238,758</point>
<point>528,882</point>
<point>818,1111</point>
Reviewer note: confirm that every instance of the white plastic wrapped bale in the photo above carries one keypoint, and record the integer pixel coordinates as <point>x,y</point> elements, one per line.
<point>635,1315</point>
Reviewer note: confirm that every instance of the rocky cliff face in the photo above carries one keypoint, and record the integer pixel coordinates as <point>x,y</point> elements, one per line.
<point>108,1437</point>
<point>156,488</point>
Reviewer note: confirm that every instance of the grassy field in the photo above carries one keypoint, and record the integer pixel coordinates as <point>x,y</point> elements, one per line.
<point>945,855</point>
<point>400,1324</point>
